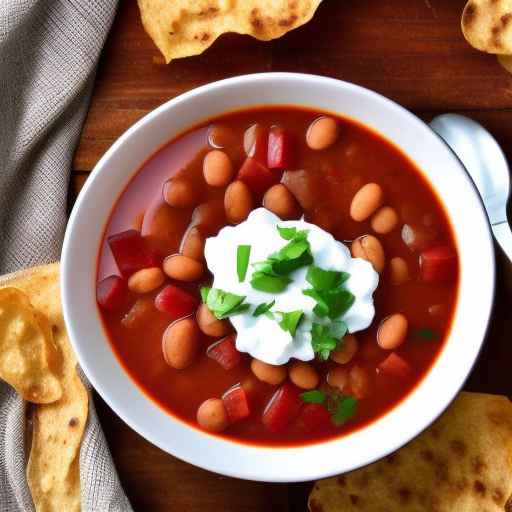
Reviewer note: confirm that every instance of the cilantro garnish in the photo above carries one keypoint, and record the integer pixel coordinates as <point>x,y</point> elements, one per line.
<point>223,304</point>
<point>340,407</point>
<point>332,298</point>
<point>243,253</point>
<point>271,275</point>
<point>263,308</point>
<point>290,320</point>
<point>322,280</point>
<point>323,341</point>
<point>426,334</point>
<point>315,396</point>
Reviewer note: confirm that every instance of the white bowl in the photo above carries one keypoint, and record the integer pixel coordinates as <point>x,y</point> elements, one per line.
<point>422,406</point>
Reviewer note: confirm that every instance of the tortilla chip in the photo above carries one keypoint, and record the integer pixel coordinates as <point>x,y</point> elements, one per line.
<point>53,472</point>
<point>487,25</point>
<point>27,352</point>
<point>506,62</point>
<point>181,28</point>
<point>462,463</point>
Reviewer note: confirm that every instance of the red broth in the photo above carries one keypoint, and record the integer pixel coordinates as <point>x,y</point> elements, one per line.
<point>324,182</point>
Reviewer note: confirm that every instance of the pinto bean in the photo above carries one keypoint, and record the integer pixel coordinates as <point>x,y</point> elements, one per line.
<point>359,381</point>
<point>346,350</point>
<point>179,193</point>
<point>279,200</point>
<point>398,271</point>
<point>210,325</point>
<point>217,168</point>
<point>180,343</point>
<point>370,249</point>
<point>212,415</point>
<point>392,331</point>
<point>192,244</point>
<point>146,280</point>
<point>303,375</point>
<point>183,268</point>
<point>384,220</point>
<point>322,133</point>
<point>238,202</point>
<point>338,378</point>
<point>269,373</point>
<point>366,201</point>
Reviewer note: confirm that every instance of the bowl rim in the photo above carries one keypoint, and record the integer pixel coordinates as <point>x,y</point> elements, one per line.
<point>246,471</point>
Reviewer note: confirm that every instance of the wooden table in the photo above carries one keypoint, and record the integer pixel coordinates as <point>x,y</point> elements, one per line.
<point>409,50</point>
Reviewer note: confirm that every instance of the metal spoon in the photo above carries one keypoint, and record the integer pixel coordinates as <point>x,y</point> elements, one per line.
<point>485,162</point>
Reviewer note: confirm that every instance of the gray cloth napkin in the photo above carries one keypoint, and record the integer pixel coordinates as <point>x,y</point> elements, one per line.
<point>49,50</point>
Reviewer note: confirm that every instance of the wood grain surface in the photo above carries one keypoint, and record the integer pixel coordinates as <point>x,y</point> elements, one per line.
<point>409,50</point>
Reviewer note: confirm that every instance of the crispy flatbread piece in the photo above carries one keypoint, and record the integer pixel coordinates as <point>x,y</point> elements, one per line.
<point>181,28</point>
<point>53,472</point>
<point>487,25</point>
<point>27,351</point>
<point>462,463</point>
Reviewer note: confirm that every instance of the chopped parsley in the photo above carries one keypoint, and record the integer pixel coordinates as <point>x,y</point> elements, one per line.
<point>290,320</point>
<point>325,338</point>
<point>315,396</point>
<point>243,253</point>
<point>426,334</point>
<point>263,308</point>
<point>332,298</point>
<point>223,304</point>
<point>322,280</point>
<point>322,341</point>
<point>340,407</point>
<point>271,275</point>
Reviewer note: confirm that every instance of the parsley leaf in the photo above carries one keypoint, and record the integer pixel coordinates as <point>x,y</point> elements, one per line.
<point>345,407</point>
<point>263,308</point>
<point>322,341</point>
<point>322,280</point>
<point>426,334</point>
<point>315,396</point>
<point>290,320</point>
<point>269,283</point>
<point>223,304</point>
<point>243,253</point>
<point>332,299</point>
<point>271,275</point>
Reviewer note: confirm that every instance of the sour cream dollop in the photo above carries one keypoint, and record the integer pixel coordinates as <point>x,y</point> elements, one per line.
<point>260,336</point>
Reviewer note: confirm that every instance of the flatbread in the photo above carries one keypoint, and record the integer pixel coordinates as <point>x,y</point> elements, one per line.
<point>463,463</point>
<point>27,351</point>
<point>487,25</point>
<point>181,28</point>
<point>53,472</point>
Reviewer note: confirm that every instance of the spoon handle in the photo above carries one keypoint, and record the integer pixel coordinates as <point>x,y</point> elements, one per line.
<point>503,235</point>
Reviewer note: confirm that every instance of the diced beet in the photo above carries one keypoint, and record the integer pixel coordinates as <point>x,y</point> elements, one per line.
<point>176,302</point>
<point>256,143</point>
<point>314,417</point>
<point>225,352</point>
<point>236,403</point>
<point>438,264</point>
<point>257,177</point>
<point>131,252</point>
<point>395,366</point>
<point>281,149</point>
<point>283,408</point>
<point>139,313</point>
<point>111,292</point>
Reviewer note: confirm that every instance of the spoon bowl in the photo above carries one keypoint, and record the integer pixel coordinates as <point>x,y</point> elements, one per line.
<point>485,162</point>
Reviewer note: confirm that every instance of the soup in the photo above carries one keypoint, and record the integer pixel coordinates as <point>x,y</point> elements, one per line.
<point>277,276</point>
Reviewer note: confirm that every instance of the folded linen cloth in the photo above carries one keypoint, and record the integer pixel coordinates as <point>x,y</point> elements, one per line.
<point>49,50</point>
